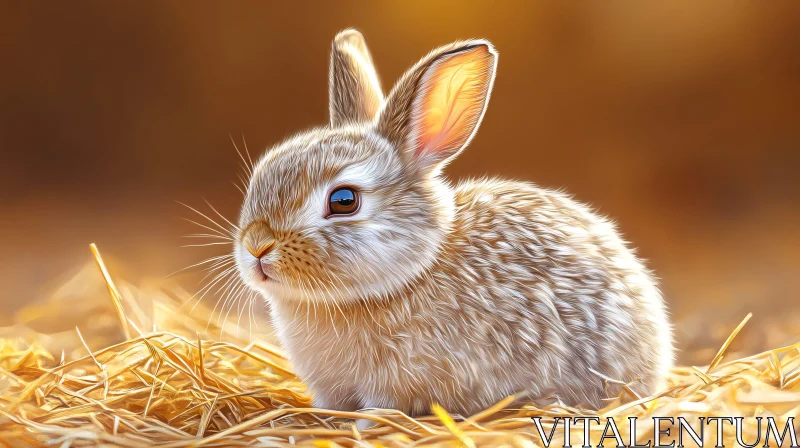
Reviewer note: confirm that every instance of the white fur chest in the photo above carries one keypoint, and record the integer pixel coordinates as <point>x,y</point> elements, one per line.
<point>378,355</point>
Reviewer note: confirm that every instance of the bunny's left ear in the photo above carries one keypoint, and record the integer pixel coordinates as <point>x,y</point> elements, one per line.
<point>435,109</point>
<point>354,92</point>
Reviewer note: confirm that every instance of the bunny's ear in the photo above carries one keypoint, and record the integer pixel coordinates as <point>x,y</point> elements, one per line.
<point>436,108</point>
<point>355,92</point>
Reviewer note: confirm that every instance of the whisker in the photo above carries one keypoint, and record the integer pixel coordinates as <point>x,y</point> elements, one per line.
<point>205,289</point>
<point>222,292</point>
<point>234,226</point>
<point>247,167</point>
<point>250,316</point>
<point>258,309</point>
<point>206,227</point>
<point>208,260</point>
<point>231,296</point>
<point>227,231</point>
<point>253,300</point>
<point>217,276</point>
<point>208,244</point>
<point>207,235</point>
<point>244,182</point>
<point>226,294</point>
<point>214,270</point>
<point>239,188</point>
<point>247,151</point>
<point>241,311</point>
<point>216,267</point>
<point>229,281</point>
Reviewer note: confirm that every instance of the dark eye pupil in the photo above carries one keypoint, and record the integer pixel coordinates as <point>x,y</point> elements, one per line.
<point>343,201</point>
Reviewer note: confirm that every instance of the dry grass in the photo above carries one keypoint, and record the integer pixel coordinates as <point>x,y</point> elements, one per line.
<point>174,389</point>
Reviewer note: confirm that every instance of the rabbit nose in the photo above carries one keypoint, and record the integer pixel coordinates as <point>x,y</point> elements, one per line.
<point>259,249</point>
<point>258,239</point>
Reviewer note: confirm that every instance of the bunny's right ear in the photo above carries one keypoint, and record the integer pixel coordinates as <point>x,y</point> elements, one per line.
<point>435,109</point>
<point>355,92</point>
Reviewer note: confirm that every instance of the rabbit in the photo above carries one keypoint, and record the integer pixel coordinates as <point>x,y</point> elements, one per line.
<point>391,288</point>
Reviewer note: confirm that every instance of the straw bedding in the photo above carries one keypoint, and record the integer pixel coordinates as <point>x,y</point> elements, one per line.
<point>171,387</point>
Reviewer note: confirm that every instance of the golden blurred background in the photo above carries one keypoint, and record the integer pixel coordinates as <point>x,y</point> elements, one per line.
<point>678,119</point>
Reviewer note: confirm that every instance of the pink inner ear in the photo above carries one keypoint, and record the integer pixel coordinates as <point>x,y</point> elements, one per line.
<point>453,95</point>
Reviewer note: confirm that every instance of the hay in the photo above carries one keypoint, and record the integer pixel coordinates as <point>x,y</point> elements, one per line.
<point>171,389</point>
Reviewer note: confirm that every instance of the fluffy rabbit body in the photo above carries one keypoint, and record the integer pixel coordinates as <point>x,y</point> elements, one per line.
<point>390,288</point>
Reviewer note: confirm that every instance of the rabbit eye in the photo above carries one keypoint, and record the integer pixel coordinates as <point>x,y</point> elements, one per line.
<point>343,201</point>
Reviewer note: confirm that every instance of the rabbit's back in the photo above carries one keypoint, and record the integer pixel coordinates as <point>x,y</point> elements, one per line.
<point>567,299</point>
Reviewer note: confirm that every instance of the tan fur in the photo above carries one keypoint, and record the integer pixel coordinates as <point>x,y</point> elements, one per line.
<point>355,92</point>
<point>434,294</point>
